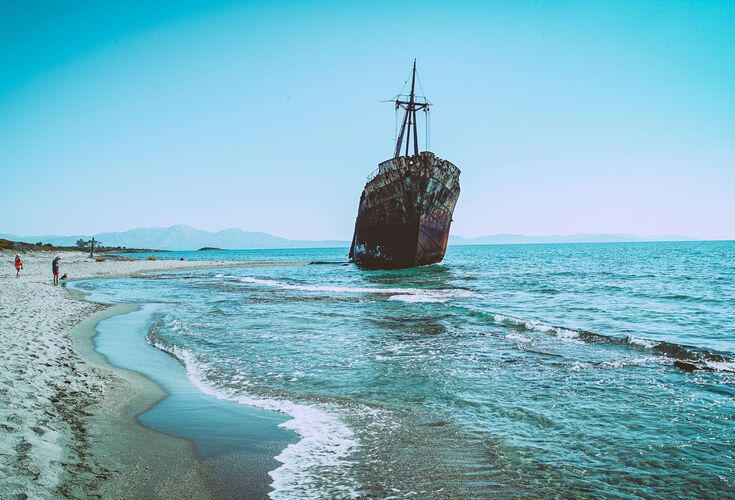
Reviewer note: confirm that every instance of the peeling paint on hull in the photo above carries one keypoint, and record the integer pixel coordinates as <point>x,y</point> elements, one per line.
<point>405,213</point>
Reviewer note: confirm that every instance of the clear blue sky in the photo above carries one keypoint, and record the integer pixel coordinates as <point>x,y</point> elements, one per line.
<point>563,116</point>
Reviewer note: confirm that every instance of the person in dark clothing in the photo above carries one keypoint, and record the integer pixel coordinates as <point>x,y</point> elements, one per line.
<point>55,265</point>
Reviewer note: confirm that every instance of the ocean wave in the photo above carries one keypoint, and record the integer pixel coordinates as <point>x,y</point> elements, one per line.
<point>399,294</point>
<point>176,325</point>
<point>535,326</point>
<point>418,297</point>
<point>325,441</point>
<point>616,363</point>
<point>622,363</point>
<point>519,338</point>
<point>685,356</point>
<point>648,344</point>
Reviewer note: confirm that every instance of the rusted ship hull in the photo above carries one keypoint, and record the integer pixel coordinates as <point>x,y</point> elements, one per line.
<point>405,213</point>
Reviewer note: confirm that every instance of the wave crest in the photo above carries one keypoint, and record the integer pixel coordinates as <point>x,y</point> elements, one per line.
<point>697,357</point>
<point>395,294</point>
<point>325,441</point>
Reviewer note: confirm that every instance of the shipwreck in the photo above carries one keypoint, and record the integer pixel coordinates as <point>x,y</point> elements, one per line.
<point>406,206</point>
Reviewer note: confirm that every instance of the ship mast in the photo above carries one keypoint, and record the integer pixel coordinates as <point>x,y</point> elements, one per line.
<point>409,124</point>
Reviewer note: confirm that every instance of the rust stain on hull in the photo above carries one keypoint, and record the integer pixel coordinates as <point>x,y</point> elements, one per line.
<point>405,213</point>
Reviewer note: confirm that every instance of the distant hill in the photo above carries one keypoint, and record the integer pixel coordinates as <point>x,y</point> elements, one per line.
<point>183,237</point>
<point>507,239</point>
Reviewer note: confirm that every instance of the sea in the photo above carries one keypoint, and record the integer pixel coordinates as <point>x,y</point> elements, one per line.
<point>543,370</point>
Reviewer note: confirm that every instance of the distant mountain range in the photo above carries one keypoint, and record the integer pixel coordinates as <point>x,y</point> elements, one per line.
<point>507,239</point>
<point>183,237</point>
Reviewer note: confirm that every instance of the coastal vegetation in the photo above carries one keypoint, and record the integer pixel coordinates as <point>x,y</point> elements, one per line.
<point>19,246</point>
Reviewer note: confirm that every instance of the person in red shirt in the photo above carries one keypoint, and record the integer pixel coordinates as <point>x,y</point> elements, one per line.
<point>18,265</point>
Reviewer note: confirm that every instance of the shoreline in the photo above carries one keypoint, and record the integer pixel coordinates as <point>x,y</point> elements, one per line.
<point>71,416</point>
<point>166,420</point>
<point>129,453</point>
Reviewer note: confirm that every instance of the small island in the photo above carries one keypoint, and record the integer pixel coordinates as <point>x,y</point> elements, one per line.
<point>209,248</point>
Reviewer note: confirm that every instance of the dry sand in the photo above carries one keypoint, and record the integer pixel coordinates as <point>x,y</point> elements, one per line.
<point>64,418</point>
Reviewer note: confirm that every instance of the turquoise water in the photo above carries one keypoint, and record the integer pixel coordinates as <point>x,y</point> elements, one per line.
<point>507,370</point>
<point>223,432</point>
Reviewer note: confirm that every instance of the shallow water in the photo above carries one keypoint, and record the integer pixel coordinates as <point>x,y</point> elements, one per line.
<point>236,443</point>
<point>518,369</point>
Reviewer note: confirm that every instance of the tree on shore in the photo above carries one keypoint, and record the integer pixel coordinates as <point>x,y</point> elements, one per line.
<point>83,244</point>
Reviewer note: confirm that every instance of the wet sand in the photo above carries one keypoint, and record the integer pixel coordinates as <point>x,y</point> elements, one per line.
<point>230,446</point>
<point>69,424</point>
<point>135,461</point>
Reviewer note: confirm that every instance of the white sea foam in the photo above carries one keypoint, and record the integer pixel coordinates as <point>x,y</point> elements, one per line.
<point>565,333</point>
<point>615,363</point>
<point>622,363</point>
<point>573,336</point>
<point>722,366</point>
<point>536,326</point>
<point>519,338</point>
<point>400,294</point>
<point>419,297</point>
<point>579,365</point>
<point>176,325</point>
<point>642,342</point>
<point>326,442</point>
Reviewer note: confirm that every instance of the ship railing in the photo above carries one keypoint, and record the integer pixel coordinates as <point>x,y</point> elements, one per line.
<point>372,174</point>
<point>382,168</point>
<point>395,164</point>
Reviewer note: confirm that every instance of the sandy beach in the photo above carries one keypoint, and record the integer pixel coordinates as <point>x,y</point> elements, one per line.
<point>66,414</point>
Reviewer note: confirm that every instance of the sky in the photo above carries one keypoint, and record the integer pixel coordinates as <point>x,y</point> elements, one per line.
<point>563,116</point>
